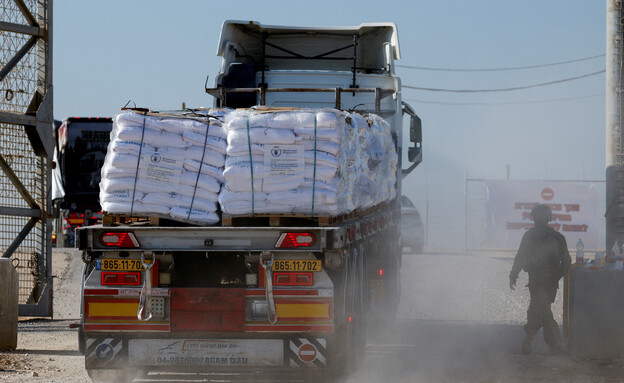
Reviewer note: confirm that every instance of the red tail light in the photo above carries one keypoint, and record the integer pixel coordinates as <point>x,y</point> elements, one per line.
<point>290,240</point>
<point>119,240</point>
<point>121,278</point>
<point>381,272</point>
<point>292,279</point>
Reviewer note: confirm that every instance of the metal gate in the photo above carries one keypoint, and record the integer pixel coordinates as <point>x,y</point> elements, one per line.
<point>26,146</point>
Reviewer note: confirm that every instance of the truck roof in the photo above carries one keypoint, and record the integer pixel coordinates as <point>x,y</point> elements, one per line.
<point>328,45</point>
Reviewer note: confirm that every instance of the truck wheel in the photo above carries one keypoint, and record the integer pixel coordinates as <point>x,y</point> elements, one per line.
<point>81,341</point>
<point>325,375</point>
<point>111,376</point>
<point>355,331</point>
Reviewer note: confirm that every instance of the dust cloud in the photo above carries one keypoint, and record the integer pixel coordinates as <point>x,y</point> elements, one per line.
<point>458,322</point>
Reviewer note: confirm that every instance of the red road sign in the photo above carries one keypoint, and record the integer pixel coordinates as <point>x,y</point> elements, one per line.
<point>547,194</point>
<point>307,353</point>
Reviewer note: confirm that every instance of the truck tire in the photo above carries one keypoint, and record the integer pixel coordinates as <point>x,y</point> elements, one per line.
<point>356,329</point>
<point>81,341</point>
<point>111,376</point>
<point>325,375</point>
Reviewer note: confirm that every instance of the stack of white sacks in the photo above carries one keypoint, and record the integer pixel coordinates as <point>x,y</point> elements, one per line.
<point>165,165</point>
<point>317,162</point>
<point>298,161</point>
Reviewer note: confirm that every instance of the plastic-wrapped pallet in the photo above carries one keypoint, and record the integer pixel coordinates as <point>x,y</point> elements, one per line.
<point>317,162</point>
<point>166,165</point>
<point>377,161</point>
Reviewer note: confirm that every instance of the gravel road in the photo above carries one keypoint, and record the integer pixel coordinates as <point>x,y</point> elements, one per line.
<point>458,322</point>
<point>47,349</point>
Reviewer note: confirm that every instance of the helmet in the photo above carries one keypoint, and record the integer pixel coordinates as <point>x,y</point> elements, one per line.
<point>541,211</point>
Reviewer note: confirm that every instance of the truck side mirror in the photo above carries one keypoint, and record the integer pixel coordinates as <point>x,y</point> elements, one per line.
<point>414,153</point>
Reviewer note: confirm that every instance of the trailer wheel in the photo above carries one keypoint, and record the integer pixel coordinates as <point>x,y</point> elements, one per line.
<point>81,341</point>
<point>325,375</point>
<point>356,293</point>
<point>111,376</point>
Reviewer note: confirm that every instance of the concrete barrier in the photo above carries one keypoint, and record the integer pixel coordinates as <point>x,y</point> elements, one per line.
<point>8,305</point>
<point>596,312</point>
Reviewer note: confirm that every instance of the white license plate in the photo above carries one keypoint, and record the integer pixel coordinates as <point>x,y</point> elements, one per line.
<point>213,352</point>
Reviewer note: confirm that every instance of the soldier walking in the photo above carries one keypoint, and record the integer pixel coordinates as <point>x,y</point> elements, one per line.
<point>544,255</point>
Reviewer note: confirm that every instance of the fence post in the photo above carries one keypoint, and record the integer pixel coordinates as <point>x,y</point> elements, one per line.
<point>8,305</point>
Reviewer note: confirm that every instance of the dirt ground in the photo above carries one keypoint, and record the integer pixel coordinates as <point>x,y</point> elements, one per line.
<point>458,322</point>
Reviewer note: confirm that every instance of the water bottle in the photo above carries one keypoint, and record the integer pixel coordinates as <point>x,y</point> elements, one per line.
<point>579,251</point>
<point>599,259</point>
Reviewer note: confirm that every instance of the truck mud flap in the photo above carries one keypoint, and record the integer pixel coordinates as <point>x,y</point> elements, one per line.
<point>105,352</point>
<point>306,352</point>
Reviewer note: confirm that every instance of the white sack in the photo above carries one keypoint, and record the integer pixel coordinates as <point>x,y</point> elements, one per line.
<point>197,215</point>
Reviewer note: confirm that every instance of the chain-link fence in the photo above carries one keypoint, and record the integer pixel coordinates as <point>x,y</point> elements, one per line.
<point>17,94</point>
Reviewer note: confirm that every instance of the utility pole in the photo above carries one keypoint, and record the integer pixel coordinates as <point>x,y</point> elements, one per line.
<point>614,113</point>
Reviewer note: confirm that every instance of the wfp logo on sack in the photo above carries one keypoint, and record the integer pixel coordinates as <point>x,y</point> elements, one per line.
<point>155,158</point>
<point>276,152</point>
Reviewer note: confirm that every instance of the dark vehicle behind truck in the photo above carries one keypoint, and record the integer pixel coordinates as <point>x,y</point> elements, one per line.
<point>80,151</point>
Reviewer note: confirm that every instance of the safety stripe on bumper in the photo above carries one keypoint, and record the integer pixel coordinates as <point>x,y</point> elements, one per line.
<point>306,352</point>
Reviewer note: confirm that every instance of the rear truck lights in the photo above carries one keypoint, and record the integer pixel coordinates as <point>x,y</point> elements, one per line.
<point>116,278</point>
<point>294,240</point>
<point>292,279</point>
<point>381,272</point>
<point>119,239</point>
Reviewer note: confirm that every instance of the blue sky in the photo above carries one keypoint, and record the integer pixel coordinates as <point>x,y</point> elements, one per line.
<point>158,54</point>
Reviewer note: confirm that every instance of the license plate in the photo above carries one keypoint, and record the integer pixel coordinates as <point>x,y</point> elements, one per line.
<point>297,265</point>
<point>123,265</point>
<point>207,352</point>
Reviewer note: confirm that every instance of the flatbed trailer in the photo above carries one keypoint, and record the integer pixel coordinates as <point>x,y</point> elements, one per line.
<point>261,293</point>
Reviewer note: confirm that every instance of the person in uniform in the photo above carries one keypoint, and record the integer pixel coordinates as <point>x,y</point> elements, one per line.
<point>544,255</point>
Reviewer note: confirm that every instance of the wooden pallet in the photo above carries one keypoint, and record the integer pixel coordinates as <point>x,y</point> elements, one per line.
<point>249,220</point>
<point>121,219</point>
<point>282,220</point>
<point>273,220</point>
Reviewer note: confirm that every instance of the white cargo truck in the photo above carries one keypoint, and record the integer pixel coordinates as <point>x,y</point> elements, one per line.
<point>271,290</point>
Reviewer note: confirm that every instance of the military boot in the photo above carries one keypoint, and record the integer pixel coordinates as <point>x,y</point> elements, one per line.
<point>526,343</point>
